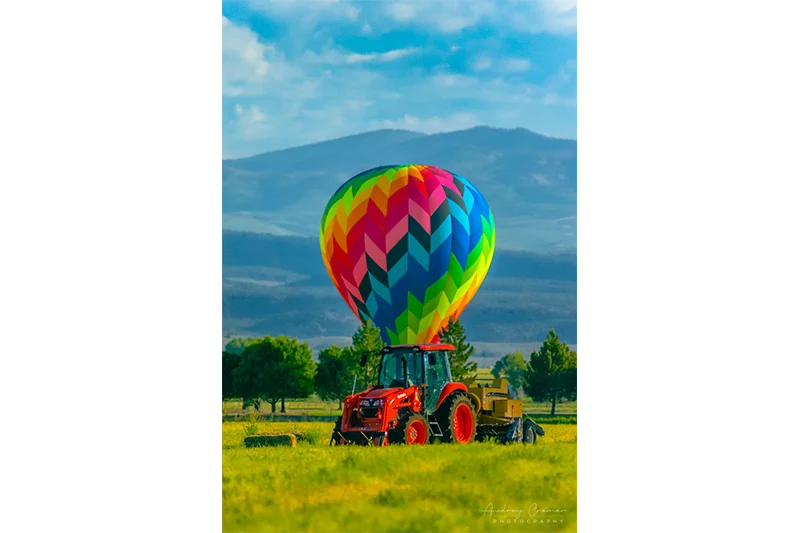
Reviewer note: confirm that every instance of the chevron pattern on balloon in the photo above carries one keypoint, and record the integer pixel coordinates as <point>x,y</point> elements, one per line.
<point>407,247</point>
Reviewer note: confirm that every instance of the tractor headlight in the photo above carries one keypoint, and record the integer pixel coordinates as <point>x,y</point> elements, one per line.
<point>366,402</point>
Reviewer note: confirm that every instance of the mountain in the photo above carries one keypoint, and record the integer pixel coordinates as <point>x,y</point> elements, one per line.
<point>529,180</point>
<point>278,285</point>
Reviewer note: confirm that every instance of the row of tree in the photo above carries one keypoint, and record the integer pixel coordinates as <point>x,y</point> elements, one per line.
<point>272,368</point>
<point>551,374</point>
<point>277,368</point>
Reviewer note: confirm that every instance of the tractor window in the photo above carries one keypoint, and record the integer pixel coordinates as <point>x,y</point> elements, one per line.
<point>439,370</point>
<point>437,375</point>
<point>391,373</point>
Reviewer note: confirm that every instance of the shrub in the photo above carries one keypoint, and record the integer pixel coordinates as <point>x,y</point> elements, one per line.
<point>251,423</point>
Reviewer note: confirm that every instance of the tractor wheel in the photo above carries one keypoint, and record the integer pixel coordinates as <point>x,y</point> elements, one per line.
<point>528,433</point>
<point>514,432</point>
<point>457,419</point>
<point>411,429</point>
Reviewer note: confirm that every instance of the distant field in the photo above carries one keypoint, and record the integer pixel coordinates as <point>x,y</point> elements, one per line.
<point>436,488</point>
<point>316,407</point>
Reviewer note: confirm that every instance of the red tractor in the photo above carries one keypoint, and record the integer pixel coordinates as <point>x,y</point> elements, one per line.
<point>414,400</point>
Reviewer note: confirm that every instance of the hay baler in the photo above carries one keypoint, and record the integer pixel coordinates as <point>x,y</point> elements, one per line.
<point>500,414</point>
<point>414,400</point>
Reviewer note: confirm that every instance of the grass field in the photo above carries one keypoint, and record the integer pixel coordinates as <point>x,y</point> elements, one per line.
<point>437,488</point>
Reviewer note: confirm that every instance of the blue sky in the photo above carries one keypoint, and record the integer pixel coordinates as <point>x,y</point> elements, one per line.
<point>301,71</point>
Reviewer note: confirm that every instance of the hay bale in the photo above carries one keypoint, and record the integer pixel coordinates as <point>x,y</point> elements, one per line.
<point>274,439</point>
<point>302,435</point>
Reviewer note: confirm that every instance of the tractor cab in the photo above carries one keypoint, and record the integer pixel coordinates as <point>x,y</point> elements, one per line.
<point>425,366</point>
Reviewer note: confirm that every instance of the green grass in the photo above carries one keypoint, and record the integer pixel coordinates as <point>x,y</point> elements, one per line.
<point>434,488</point>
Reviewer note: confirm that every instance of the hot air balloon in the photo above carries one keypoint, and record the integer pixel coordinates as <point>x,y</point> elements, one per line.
<point>407,247</point>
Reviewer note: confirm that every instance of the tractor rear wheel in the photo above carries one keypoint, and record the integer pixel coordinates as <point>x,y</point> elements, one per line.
<point>457,419</point>
<point>411,429</point>
<point>514,432</point>
<point>528,433</point>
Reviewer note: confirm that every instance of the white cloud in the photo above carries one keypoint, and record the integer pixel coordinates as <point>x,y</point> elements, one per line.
<point>275,102</point>
<point>452,16</point>
<point>290,8</point>
<point>508,65</point>
<point>559,6</point>
<point>457,121</point>
<point>495,92</point>
<point>351,12</point>
<point>453,80</point>
<point>366,29</point>
<point>566,73</point>
<point>252,115</point>
<point>482,63</point>
<point>253,68</point>
<point>449,16</point>
<point>244,59</point>
<point>251,122</point>
<point>391,55</point>
<point>541,179</point>
<point>544,16</point>
<point>402,12</point>
<point>338,57</point>
<point>557,99</point>
<point>516,65</point>
<point>308,104</point>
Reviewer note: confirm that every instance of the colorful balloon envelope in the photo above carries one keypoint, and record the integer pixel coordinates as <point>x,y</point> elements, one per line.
<point>407,246</point>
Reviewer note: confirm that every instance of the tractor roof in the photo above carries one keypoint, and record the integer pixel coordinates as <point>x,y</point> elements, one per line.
<point>424,347</point>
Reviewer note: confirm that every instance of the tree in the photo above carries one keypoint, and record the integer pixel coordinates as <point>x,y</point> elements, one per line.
<point>274,369</point>
<point>460,365</point>
<point>367,339</point>
<point>237,346</point>
<point>299,369</point>
<point>511,367</point>
<point>553,372</point>
<point>229,363</point>
<point>334,373</point>
<point>251,375</point>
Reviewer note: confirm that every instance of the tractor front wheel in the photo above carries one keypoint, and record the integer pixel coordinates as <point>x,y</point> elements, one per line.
<point>457,419</point>
<point>411,429</point>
